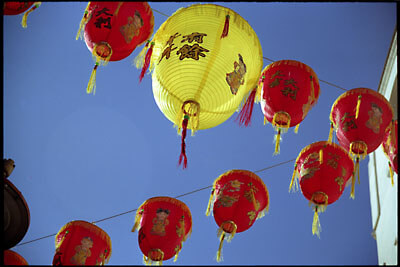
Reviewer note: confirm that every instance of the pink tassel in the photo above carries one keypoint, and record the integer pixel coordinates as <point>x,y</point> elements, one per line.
<point>183,145</point>
<point>226,27</point>
<point>146,62</point>
<point>244,116</point>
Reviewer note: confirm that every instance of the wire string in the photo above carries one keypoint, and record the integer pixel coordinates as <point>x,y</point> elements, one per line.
<point>194,191</point>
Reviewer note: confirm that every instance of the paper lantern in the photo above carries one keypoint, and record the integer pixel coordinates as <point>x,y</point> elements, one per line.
<point>163,224</point>
<point>323,169</point>
<point>82,243</point>
<point>204,59</point>
<point>13,258</point>
<point>15,8</point>
<point>112,30</point>
<point>361,118</point>
<point>16,210</point>
<point>238,198</point>
<point>389,146</point>
<point>289,90</point>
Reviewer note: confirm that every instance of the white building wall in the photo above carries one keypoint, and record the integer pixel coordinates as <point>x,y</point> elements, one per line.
<point>383,195</point>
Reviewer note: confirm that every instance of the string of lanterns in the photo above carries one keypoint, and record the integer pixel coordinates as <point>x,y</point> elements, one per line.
<point>216,80</point>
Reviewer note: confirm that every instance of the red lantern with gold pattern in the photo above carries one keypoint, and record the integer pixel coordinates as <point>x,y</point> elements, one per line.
<point>163,223</point>
<point>238,198</point>
<point>82,243</point>
<point>389,146</point>
<point>362,118</point>
<point>114,29</point>
<point>323,169</point>
<point>13,258</point>
<point>15,8</point>
<point>289,90</point>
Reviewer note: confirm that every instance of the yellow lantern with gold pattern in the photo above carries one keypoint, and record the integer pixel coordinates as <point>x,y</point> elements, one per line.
<point>204,59</point>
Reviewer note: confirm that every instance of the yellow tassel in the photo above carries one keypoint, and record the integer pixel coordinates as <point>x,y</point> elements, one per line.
<point>219,252</point>
<point>265,120</point>
<point>321,156</point>
<point>118,7</point>
<point>353,181</point>
<point>209,203</point>
<point>357,167</point>
<point>277,139</point>
<point>358,105</point>
<point>139,59</point>
<point>295,188</point>
<point>330,133</point>
<point>92,81</point>
<point>25,16</point>
<point>176,256</point>
<point>316,226</point>
<point>138,217</point>
<point>83,22</point>
<point>391,173</point>
<point>296,130</point>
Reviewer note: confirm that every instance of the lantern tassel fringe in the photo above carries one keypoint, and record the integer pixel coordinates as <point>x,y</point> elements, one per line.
<point>316,225</point>
<point>391,174</point>
<point>321,156</point>
<point>139,59</point>
<point>25,16</point>
<point>277,140</point>
<point>83,22</point>
<point>358,106</point>
<point>219,252</point>
<point>330,133</point>
<point>92,81</point>
<point>138,217</point>
<point>294,181</point>
<point>182,156</point>
<point>146,61</point>
<point>296,130</point>
<point>226,27</point>
<point>353,182</point>
<point>210,201</point>
<point>244,117</point>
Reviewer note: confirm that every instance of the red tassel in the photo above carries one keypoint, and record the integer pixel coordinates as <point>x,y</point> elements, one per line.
<point>146,62</point>
<point>226,27</point>
<point>183,145</point>
<point>244,116</point>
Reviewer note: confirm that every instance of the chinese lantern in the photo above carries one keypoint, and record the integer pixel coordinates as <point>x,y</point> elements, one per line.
<point>238,198</point>
<point>389,146</point>
<point>13,258</point>
<point>361,118</point>
<point>82,243</point>
<point>289,90</point>
<point>113,30</point>
<point>163,223</point>
<point>204,59</point>
<point>16,210</point>
<point>15,8</point>
<point>323,169</point>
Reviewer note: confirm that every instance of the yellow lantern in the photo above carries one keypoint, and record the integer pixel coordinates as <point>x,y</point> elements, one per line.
<point>204,59</point>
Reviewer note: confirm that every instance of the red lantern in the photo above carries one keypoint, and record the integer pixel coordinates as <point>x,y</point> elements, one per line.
<point>163,223</point>
<point>289,90</point>
<point>113,30</point>
<point>15,8</point>
<point>389,146</point>
<point>323,169</point>
<point>361,118</point>
<point>238,197</point>
<point>82,243</point>
<point>13,258</point>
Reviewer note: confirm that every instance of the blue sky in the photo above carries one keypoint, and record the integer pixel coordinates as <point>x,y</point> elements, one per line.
<point>85,157</point>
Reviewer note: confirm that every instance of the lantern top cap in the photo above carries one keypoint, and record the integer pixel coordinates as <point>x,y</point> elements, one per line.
<point>322,144</point>
<point>293,63</point>
<point>166,199</point>
<point>360,91</point>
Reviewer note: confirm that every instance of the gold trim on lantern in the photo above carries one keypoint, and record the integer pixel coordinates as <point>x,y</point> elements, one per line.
<point>101,48</point>
<point>359,145</point>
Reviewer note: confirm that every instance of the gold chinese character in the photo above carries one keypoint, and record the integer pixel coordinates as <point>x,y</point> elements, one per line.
<point>198,37</point>
<point>167,50</point>
<point>193,51</point>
